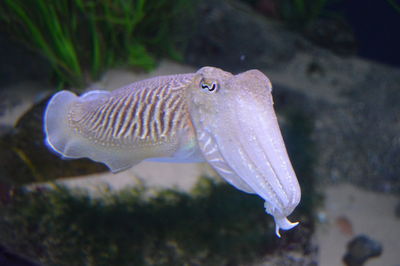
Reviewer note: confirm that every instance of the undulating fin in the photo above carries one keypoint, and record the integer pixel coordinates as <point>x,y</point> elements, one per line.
<point>146,119</point>
<point>58,134</point>
<point>66,141</point>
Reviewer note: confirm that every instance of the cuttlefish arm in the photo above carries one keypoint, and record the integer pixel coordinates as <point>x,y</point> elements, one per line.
<point>209,115</point>
<point>239,136</point>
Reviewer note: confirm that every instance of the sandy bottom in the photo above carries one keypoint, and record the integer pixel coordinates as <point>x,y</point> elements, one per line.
<point>150,174</point>
<point>350,211</point>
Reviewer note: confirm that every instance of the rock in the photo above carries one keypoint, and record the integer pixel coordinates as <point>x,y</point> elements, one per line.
<point>214,224</point>
<point>232,36</point>
<point>5,129</point>
<point>397,210</point>
<point>360,249</point>
<point>332,34</point>
<point>358,138</point>
<point>24,157</point>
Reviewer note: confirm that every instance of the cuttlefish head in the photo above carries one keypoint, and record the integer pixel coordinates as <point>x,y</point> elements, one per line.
<point>238,134</point>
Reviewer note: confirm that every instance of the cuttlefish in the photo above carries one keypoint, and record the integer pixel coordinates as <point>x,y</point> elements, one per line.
<point>211,115</point>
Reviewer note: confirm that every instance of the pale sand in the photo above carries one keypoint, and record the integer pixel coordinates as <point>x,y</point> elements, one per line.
<point>153,175</point>
<point>369,213</point>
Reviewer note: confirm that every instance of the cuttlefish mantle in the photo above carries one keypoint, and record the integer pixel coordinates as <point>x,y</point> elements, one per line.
<point>211,115</point>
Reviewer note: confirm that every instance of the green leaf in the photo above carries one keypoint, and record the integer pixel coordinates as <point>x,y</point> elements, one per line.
<point>138,56</point>
<point>81,38</point>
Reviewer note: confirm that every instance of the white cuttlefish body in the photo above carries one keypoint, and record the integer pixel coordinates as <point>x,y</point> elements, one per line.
<point>211,115</point>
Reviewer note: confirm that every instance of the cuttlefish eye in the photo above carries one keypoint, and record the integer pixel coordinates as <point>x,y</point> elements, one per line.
<point>211,87</point>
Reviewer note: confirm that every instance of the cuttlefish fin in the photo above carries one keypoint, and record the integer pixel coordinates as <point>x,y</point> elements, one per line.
<point>66,141</point>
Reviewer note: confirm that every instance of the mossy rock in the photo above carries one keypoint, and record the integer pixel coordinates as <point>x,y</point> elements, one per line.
<point>214,224</point>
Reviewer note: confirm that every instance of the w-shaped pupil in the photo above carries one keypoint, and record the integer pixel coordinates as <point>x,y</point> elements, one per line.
<point>205,86</point>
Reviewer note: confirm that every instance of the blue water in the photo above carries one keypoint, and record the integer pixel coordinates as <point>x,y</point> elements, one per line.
<point>376,26</point>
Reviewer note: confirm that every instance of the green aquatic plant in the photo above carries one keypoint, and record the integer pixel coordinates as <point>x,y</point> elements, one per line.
<point>394,5</point>
<point>82,38</point>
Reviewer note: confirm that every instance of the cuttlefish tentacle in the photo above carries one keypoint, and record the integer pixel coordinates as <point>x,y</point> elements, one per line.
<point>282,193</point>
<point>214,157</point>
<point>227,120</point>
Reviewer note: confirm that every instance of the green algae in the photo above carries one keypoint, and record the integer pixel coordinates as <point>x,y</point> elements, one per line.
<point>81,39</point>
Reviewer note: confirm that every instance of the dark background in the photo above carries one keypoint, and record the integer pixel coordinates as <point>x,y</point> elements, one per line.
<point>376,26</point>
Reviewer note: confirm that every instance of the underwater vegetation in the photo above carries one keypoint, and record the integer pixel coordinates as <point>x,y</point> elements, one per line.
<point>394,5</point>
<point>212,225</point>
<point>80,39</point>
